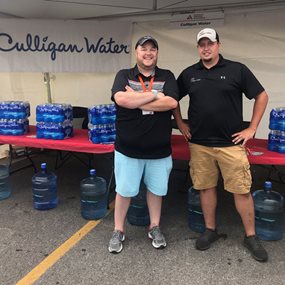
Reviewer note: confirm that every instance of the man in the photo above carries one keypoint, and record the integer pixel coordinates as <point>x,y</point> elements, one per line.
<point>217,142</point>
<point>145,96</point>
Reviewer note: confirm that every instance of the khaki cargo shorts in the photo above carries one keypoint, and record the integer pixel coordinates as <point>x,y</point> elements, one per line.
<point>207,162</point>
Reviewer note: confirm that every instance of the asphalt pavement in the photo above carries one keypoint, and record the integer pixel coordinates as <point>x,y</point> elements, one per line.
<point>58,246</point>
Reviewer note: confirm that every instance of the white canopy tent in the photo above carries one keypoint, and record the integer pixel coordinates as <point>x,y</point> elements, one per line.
<point>111,9</point>
<point>253,33</point>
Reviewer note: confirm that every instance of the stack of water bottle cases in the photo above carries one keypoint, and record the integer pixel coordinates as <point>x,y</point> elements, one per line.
<point>14,118</point>
<point>54,121</point>
<point>101,127</point>
<point>13,122</point>
<point>276,137</point>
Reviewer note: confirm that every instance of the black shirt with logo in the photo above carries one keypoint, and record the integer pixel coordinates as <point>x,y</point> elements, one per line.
<point>138,135</point>
<point>215,99</point>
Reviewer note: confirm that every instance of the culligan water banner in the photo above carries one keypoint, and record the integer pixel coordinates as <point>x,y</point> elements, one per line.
<point>64,46</point>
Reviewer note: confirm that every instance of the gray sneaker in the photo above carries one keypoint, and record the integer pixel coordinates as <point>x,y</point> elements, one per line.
<point>116,242</point>
<point>158,239</point>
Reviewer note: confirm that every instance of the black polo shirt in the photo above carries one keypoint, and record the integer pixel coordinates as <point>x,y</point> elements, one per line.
<point>138,135</point>
<point>215,94</point>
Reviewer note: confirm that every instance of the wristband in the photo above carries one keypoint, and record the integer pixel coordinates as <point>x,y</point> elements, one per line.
<point>154,92</point>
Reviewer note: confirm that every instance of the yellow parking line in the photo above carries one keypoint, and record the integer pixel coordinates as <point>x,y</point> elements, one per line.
<point>48,262</point>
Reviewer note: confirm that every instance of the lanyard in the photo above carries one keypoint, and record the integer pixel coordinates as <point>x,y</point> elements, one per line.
<point>143,85</point>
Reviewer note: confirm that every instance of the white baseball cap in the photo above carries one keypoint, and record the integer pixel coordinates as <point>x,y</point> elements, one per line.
<point>209,33</point>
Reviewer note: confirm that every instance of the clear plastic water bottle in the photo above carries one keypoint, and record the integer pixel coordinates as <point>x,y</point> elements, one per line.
<point>269,207</point>
<point>94,197</point>
<point>273,140</point>
<point>138,214</point>
<point>195,214</point>
<point>112,113</point>
<point>112,133</point>
<point>281,121</point>
<point>95,114</point>
<point>105,134</point>
<point>39,113</point>
<point>44,186</point>
<point>104,114</point>
<point>281,144</point>
<point>274,119</point>
<point>94,133</point>
<point>92,115</point>
<point>5,188</point>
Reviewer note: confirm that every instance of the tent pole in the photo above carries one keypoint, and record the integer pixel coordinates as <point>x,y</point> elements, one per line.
<point>47,83</point>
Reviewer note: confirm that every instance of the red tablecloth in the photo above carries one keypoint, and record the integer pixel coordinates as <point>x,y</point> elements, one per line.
<point>257,151</point>
<point>257,148</point>
<point>78,143</point>
<point>259,154</point>
<point>180,149</point>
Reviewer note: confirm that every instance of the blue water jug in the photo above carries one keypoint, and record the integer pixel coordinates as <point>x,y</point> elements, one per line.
<point>5,188</point>
<point>94,196</point>
<point>138,214</point>
<point>195,215</point>
<point>269,207</point>
<point>44,186</point>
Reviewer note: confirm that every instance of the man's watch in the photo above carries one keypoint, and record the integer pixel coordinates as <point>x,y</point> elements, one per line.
<point>154,92</point>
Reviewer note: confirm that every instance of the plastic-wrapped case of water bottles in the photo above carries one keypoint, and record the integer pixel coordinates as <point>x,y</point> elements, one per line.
<point>55,131</point>
<point>14,117</point>
<point>12,127</point>
<point>54,113</point>
<point>54,121</point>
<point>101,127</point>
<point>276,136</point>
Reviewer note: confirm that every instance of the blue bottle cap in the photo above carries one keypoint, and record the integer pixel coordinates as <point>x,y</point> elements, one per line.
<point>92,172</point>
<point>43,165</point>
<point>267,186</point>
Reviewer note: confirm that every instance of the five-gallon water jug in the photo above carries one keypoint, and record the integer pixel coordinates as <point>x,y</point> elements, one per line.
<point>44,186</point>
<point>94,197</point>
<point>195,215</point>
<point>5,189</point>
<point>138,214</point>
<point>268,206</point>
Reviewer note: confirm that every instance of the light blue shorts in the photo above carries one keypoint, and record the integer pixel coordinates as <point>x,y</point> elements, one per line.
<point>130,171</point>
